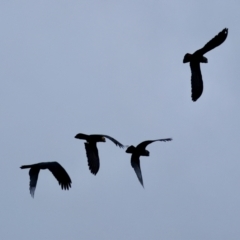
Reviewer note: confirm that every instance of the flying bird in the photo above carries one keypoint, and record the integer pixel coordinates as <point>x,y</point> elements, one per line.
<point>92,151</point>
<point>57,170</point>
<point>138,151</point>
<point>196,58</point>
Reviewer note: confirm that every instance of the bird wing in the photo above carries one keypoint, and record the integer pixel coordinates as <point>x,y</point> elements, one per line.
<point>144,144</point>
<point>33,173</point>
<point>92,156</point>
<point>214,42</point>
<point>196,80</point>
<point>114,141</point>
<point>60,174</point>
<point>135,162</point>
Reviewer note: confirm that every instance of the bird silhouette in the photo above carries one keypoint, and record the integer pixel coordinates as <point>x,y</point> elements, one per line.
<point>92,151</point>
<point>138,151</point>
<point>57,170</point>
<point>197,57</point>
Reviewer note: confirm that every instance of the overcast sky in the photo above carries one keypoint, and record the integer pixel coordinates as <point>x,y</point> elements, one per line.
<point>115,68</point>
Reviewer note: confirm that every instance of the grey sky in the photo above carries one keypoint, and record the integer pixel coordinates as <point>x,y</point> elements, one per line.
<point>115,67</point>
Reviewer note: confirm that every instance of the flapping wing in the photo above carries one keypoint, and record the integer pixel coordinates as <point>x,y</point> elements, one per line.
<point>60,174</point>
<point>114,141</point>
<point>215,42</point>
<point>135,162</point>
<point>93,158</point>
<point>33,173</point>
<point>144,144</point>
<point>196,80</point>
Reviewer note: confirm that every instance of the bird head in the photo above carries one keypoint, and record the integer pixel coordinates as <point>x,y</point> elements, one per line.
<point>130,149</point>
<point>187,58</point>
<point>103,139</point>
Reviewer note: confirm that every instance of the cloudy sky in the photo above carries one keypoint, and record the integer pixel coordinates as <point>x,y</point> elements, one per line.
<point>115,68</point>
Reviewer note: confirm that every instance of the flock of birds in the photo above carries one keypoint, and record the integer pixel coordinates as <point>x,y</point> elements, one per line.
<point>140,150</point>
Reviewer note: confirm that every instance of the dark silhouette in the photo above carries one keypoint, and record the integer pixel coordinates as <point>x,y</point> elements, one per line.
<point>57,170</point>
<point>197,57</point>
<point>141,151</point>
<point>92,151</point>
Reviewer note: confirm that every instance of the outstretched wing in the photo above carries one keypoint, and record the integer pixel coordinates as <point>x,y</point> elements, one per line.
<point>33,173</point>
<point>135,162</point>
<point>60,174</point>
<point>92,156</point>
<point>144,144</point>
<point>215,42</point>
<point>114,141</point>
<point>196,80</point>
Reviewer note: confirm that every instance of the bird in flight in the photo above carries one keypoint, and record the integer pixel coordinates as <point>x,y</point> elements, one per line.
<point>92,151</point>
<point>197,57</point>
<point>138,151</point>
<point>57,170</point>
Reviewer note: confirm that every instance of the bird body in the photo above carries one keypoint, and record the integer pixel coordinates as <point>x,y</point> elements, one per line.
<point>57,170</point>
<point>138,151</point>
<point>92,151</point>
<point>197,57</point>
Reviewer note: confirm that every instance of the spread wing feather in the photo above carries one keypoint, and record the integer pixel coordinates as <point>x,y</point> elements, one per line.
<point>214,42</point>
<point>60,174</point>
<point>114,141</point>
<point>144,144</point>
